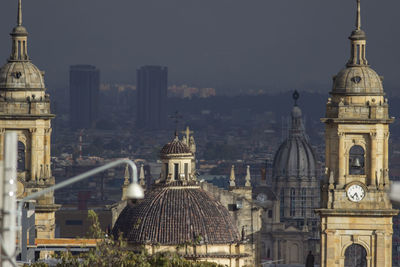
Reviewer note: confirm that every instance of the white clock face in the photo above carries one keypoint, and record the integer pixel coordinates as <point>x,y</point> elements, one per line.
<point>355,193</point>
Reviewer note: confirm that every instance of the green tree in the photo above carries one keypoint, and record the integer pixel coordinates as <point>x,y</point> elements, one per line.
<point>110,253</point>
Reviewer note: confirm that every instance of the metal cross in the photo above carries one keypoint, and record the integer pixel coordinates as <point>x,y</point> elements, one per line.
<point>176,117</point>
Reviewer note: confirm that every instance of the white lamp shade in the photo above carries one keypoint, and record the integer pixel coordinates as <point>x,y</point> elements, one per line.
<point>135,191</point>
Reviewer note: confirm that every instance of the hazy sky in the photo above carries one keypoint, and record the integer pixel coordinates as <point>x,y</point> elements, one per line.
<point>239,44</point>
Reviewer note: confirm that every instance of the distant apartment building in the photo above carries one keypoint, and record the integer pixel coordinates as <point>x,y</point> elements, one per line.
<point>152,97</point>
<point>84,84</point>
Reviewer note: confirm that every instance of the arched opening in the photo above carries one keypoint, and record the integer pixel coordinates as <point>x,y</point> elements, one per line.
<point>21,167</point>
<point>303,202</point>
<point>294,253</point>
<point>282,206</point>
<point>355,256</point>
<point>292,202</point>
<point>356,160</point>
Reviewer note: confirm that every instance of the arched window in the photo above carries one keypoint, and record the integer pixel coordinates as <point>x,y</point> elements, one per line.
<point>268,253</point>
<point>355,256</point>
<point>282,207</point>
<point>303,202</point>
<point>292,202</point>
<point>21,157</point>
<point>356,160</point>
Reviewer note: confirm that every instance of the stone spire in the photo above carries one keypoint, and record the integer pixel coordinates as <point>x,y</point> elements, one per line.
<point>248,178</point>
<point>141,176</point>
<point>232,178</point>
<point>358,20</point>
<point>358,43</point>
<point>126,175</point>
<point>19,37</point>
<point>19,16</point>
<point>297,127</point>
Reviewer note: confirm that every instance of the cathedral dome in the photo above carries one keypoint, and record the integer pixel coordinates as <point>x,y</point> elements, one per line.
<point>21,75</point>
<point>172,215</point>
<point>358,80</point>
<point>295,156</point>
<point>175,147</point>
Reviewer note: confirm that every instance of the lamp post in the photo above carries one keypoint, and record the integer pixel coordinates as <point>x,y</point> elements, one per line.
<point>134,191</point>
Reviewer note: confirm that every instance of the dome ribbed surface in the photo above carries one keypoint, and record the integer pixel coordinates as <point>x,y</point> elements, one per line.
<point>175,215</point>
<point>295,156</point>
<point>21,75</point>
<point>175,147</point>
<point>359,80</point>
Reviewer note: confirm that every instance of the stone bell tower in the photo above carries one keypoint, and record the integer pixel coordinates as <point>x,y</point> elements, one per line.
<point>25,108</point>
<point>356,213</point>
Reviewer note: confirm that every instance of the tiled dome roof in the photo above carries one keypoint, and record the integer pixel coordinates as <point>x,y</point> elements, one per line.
<point>175,215</point>
<point>175,147</point>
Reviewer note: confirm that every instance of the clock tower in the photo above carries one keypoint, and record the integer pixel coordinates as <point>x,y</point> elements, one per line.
<point>356,213</point>
<point>25,109</point>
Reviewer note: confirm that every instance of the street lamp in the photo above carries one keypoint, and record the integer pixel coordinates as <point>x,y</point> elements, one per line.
<point>134,191</point>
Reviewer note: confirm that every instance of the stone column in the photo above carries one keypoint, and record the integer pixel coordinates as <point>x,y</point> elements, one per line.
<point>372,157</point>
<point>47,145</point>
<point>380,249</point>
<point>386,158</point>
<point>2,132</point>
<point>341,158</point>
<point>33,153</point>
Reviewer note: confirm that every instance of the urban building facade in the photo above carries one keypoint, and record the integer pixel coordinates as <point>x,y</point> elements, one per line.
<point>152,84</point>
<point>356,212</point>
<point>84,86</point>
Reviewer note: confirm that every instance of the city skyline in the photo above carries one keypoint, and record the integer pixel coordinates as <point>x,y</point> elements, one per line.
<point>237,45</point>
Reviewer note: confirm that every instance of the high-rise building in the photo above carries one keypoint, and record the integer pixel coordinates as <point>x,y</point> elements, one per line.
<point>152,97</point>
<point>25,109</point>
<point>356,212</point>
<point>84,85</point>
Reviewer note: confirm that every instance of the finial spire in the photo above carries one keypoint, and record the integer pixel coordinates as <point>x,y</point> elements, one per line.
<point>141,176</point>
<point>19,16</point>
<point>358,21</point>
<point>296,96</point>
<point>126,175</point>
<point>248,177</point>
<point>232,178</point>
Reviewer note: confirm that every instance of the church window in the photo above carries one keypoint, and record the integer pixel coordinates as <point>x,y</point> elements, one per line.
<point>268,253</point>
<point>19,50</point>
<point>21,157</point>
<point>269,213</point>
<point>24,47</point>
<point>186,171</point>
<point>358,54</point>
<point>356,160</point>
<point>292,202</point>
<point>355,255</point>
<point>282,207</point>
<point>166,170</point>
<point>303,201</point>
<point>176,171</point>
